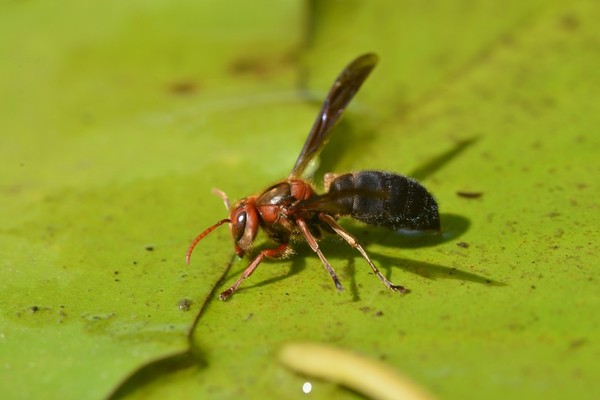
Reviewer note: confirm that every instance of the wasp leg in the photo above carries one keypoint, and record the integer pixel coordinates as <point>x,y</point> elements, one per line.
<point>270,253</point>
<point>312,242</point>
<point>351,240</point>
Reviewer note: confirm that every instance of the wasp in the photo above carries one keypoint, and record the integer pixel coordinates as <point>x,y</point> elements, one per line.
<point>293,209</point>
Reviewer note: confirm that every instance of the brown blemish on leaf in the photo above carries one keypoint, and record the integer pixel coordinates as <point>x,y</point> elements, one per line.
<point>183,88</point>
<point>469,195</point>
<point>569,22</point>
<point>249,66</point>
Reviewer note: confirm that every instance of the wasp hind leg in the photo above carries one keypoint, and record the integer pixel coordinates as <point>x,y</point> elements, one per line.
<point>351,240</point>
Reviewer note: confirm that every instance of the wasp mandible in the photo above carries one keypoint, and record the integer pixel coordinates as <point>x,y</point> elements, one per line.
<point>292,208</point>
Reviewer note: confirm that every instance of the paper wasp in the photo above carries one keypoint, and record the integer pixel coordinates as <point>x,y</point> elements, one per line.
<point>292,208</point>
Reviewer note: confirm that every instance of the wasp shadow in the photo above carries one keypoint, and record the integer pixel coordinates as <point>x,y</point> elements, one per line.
<point>338,249</point>
<point>349,139</point>
<point>297,265</point>
<point>442,159</point>
<point>424,269</point>
<point>453,226</point>
<point>430,270</point>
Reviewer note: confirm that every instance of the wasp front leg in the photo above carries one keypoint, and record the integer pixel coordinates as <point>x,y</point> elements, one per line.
<point>277,252</point>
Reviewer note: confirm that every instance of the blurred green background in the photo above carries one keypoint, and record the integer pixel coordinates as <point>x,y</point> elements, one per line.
<point>117,118</point>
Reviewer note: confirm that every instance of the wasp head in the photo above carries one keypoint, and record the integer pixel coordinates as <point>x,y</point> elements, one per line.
<point>244,224</point>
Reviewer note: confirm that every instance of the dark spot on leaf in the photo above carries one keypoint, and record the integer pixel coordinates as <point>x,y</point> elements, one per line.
<point>149,248</point>
<point>570,22</point>
<point>183,88</point>
<point>464,245</point>
<point>249,66</point>
<point>577,343</point>
<point>469,195</point>
<point>516,327</point>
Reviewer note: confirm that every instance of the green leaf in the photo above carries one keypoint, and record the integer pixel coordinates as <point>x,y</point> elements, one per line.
<point>118,119</point>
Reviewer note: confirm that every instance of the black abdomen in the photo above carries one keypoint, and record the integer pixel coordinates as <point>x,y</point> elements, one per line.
<point>386,199</point>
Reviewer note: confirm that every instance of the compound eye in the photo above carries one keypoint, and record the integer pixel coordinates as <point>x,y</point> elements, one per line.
<point>239,226</point>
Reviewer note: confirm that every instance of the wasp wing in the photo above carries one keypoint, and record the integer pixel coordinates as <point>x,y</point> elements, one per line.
<point>338,202</point>
<point>343,90</point>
